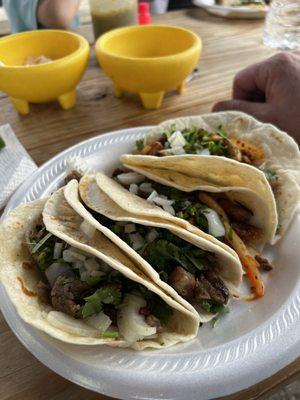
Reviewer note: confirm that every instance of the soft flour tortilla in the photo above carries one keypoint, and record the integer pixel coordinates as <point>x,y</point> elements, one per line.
<point>106,197</point>
<point>242,183</point>
<point>280,150</point>
<point>61,220</point>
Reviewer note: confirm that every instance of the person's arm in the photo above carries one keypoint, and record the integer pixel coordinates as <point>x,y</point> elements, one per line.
<point>57,13</point>
<point>270,91</point>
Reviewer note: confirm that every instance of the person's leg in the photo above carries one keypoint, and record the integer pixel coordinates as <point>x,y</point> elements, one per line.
<point>177,4</point>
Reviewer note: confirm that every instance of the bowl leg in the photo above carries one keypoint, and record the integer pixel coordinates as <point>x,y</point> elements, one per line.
<point>118,92</point>
<point>22,106</point>
<point>181,88</point>
<point>152,100</point>
<point>67,100</point>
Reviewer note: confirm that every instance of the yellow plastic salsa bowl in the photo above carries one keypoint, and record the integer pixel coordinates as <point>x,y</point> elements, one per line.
<point>56,80</point>
<point>148,60</point>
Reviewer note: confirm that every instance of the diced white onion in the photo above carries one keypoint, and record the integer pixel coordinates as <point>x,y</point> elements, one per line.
<point>152,235</point>
<point>73,256</point>
<point>146,187</point>
<point>133,188</point>
<point>100,321</point>
<point>169,209</point>
<point>177,139</point>
<point>55,270</point>
<point>203,152</point>
<point>166,152</point>
<point>84,275</point>
<point>215,225</point>
<point>129,228</point>
<point>155,336</point>
<point>152,196</point>
<point>78,264</point>
<point>71,325</point>
<point>137,241</point>
<point>87,229</point>
<point>128,178</point>
<point>131,324</point>
<point>57,250</point>
<point>160,201</point>
<point>41,242</point>
<point>91,265</point>
<point>177,151</point>
<point>97,274</point>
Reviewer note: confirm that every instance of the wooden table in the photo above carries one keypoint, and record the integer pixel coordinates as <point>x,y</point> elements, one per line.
<point>229,45</point>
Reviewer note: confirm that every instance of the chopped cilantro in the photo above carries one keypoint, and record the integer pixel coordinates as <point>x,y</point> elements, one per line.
<point>223,310</point>
<point>93,280</point>
<point>106,295</point>
<point>163,276</point>
<point>110,334</point>
<point>213,308</point>
<point>139,144</point>
<point>161,310</point>
<point>206,306</point>
<point>221,131</point>
<point>231,232</point>
<point>269,174</point>
<point>2,143</point>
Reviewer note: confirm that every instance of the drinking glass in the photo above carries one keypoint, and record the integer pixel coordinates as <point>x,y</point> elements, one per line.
<point>282,26</point>
<point>111,14</point>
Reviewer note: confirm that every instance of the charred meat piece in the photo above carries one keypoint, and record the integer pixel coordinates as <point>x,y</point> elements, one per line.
<point>215,287</point>
<point>142,194</point>
<point>72,175</point>
<point>153,149</point>
<point>37,232</point>
<point>154,322</point>
<point>235,211</point>
<point>251,153</point>
<point>246,232</point>
<point>145,311</point>
<point>66,295</point>
<point>200,293</point>
<point>233,150</point>
<point>150,319</point>
<point>44,293</point>
<point>263,263</point>
<point>207,287</point>
<point>111,311</point>
<point>183,282</point>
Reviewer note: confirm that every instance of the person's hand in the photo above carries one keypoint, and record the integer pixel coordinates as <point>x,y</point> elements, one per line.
<point>270,91</point>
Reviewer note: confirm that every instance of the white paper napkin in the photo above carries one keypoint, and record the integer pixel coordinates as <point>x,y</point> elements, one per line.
<point>15,164</point>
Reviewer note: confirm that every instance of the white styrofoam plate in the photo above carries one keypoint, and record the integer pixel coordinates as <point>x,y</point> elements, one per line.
<point>242,12</point>
<point>251,343</point>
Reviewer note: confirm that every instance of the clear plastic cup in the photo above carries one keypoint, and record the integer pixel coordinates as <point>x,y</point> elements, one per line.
<point>282,26</point>
<point>111,14</point>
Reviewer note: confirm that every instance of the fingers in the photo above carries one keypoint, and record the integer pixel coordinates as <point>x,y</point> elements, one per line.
<point>261,111</point>
<point>251,83</point>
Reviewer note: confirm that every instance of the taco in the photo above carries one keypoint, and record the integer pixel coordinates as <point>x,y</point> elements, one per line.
<point>69,280</point>
<point>234,205</point>
<point>201,272</point>
<point>239,137</point>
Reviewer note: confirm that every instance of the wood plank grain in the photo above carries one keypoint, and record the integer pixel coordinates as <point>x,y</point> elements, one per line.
<point>229,45</point>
